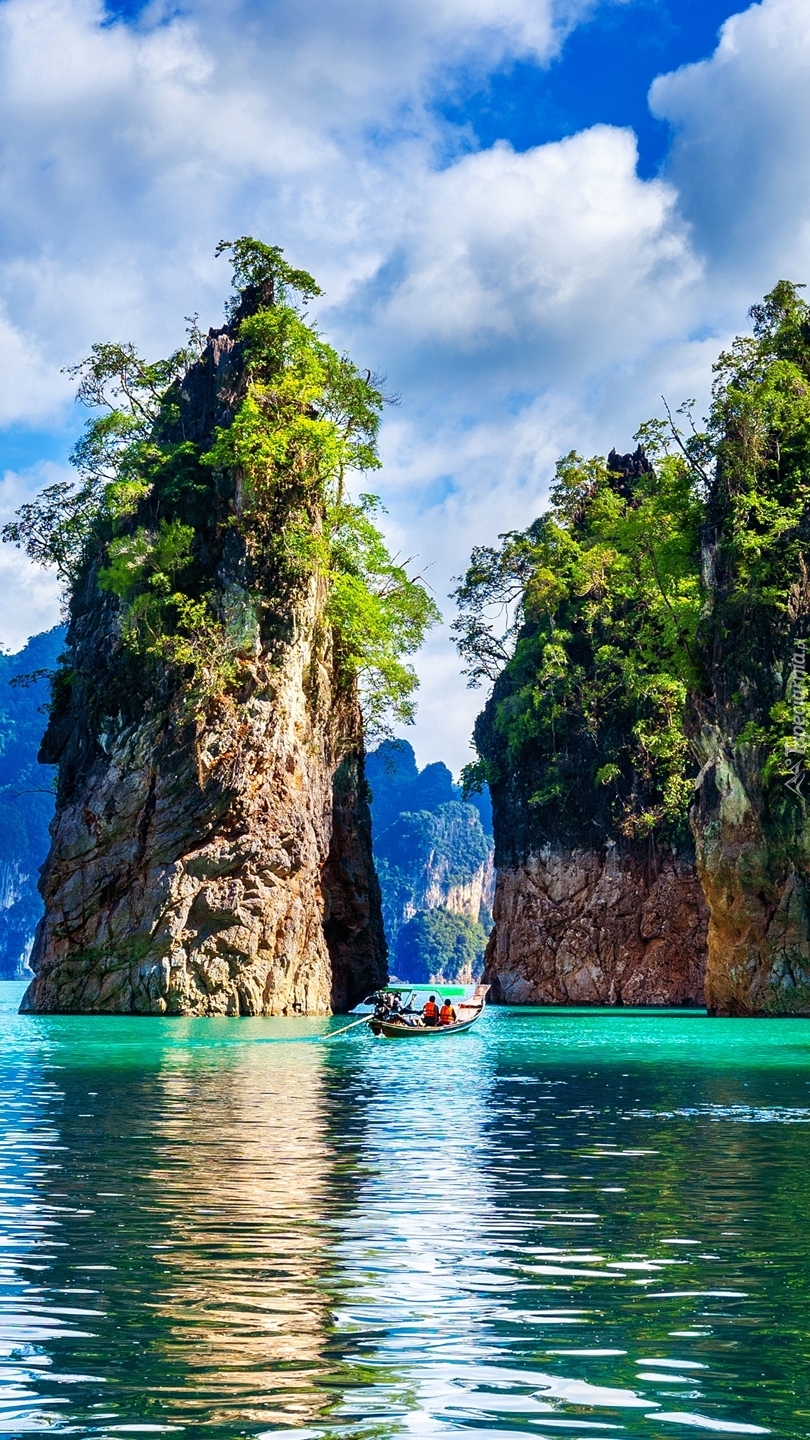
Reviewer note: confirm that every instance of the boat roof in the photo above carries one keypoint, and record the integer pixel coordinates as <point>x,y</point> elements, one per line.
<point>437,986</point>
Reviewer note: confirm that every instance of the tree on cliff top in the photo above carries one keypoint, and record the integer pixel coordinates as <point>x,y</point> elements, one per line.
<point>645,594</point>
<point>587,711</point>
<point>758,534</point>
<point>150,514</point>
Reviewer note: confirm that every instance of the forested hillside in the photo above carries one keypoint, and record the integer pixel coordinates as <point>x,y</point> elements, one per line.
<point>433,855</point>
<point>646,734</point>
<point>26,793</point>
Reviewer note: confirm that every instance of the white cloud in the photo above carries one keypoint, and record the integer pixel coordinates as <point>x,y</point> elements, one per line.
<point>29,387</point>
<point>740,158</point>
<point>127,151</point>
<point>521,303</point>
<point>535,263</point>
<point>31,595</point>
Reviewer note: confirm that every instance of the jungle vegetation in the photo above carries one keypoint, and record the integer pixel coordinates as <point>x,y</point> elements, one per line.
<point>154,509</point>
<point>439,946</point>
<point>426,842</point>
<point>640,605</point>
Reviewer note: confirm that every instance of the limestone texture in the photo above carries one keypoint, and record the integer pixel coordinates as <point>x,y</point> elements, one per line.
<point>578,926</point>
<point>588,910</point>
<point>753,856</point>
<point>221,867</point>
<point>434,860</point>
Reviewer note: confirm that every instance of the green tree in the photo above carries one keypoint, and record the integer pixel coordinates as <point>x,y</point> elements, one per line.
<point>439,945</point>
<point>602,598</point>
<point>149,517</point>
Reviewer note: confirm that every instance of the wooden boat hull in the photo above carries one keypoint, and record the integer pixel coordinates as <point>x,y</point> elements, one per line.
<point>467,1013</point>
<point>392,1031</point>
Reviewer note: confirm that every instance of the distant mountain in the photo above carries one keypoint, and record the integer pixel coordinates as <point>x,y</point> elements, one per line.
<point>434,858</point>
<point>26,793</point>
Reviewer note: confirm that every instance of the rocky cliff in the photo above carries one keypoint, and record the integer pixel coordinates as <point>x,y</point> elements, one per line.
<point>26,795</point>
<point>434,859</point>
<point>229,877</point>
<point>597,898</point>
<point>749,719</point>
<point>657,667</point>
<point>753,855</point>
<point>597,927</point>
<point>432,850</point>
<point>214,857</point>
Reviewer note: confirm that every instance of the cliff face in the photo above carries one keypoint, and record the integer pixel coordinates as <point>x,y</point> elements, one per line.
<point>15,922</point>
<point>597,898</point>
<point>750,820</point>
<point>749,717</point>
<point>596,927</point>
<point>437,859</point>
<point>219,866</point>
<point>26,800</point>
<point>754,867</point>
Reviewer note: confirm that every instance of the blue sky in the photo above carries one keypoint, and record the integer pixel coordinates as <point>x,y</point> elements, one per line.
<point>602,75</point>
<point>535,216</point>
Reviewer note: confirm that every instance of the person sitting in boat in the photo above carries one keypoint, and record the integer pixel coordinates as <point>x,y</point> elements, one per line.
<point>430,1011</point>
<point>401,1013</point>
<point>447,1015</point>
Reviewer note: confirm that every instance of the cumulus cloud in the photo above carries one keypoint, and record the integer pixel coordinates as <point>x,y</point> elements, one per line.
<point>536,261</point>
<point>740,159</point>
<point>520,303</point>
<point>32,596</point>
<point>128,150</point>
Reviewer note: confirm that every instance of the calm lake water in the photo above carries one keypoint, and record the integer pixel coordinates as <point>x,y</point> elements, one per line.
<point>563,1224</point>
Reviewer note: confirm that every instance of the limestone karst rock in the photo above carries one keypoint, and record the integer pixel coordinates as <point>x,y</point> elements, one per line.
<point>597,927</point>
<point>752,830</point>
<point>218,865</point>
<point>597,898</point>
<point>754,864</point>
<point>749,717</point>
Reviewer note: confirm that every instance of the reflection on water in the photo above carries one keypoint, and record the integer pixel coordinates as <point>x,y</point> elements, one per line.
<point>563,1224</point>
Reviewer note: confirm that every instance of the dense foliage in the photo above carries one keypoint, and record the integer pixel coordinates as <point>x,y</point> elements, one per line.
<point>439,946</point>
<point>646,593</point>
<point>592,699</point>
<point>426,842</point>
<point>26,793</point>
<point>758,530</point>
<point>153,508</point>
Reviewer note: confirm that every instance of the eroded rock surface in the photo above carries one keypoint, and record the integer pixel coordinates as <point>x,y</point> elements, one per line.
<point>753,855</point>
<point>216,867</point>
<point>584,927</point>
<point>241,883</point>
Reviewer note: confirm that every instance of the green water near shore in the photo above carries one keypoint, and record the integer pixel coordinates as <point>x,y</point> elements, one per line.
<point>563,1224</point>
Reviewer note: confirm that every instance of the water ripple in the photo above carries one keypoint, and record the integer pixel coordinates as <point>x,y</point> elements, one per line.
<point>547,1233</point>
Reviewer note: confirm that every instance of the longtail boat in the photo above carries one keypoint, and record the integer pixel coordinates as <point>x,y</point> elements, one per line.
<point>402,1022</point>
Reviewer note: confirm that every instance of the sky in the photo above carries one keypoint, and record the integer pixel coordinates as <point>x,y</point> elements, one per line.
<point>535,217</point>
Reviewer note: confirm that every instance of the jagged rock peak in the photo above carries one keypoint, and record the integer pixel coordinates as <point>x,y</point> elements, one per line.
<point>630,465</point>
<point>212,861</point>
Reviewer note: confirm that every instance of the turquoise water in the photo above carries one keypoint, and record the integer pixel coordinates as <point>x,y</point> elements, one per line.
<point>564,1224</point>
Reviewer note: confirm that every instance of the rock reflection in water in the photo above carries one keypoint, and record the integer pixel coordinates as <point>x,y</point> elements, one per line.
<point>240,1186</point>
<point>190,1203</point>
<point>559,1224</point>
